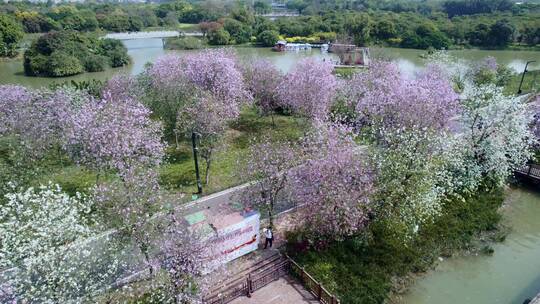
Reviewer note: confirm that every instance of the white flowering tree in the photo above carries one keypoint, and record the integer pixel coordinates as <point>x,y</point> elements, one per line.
<point>409,170</point>
<point>128,205</point>
<point>50,243</point>
<point>494,136</point>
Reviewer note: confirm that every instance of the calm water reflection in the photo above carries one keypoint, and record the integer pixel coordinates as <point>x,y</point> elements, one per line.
<point>510,276</point>
<point>147,50</point>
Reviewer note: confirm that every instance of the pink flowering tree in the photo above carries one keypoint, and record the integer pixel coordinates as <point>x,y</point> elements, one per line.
<point>128,204</point>
<point>111,134</point>
<point>122,87</point>
<point>38,119</point>
<point>488,71</point>
<point>333,187</point>
<point>262,79</point>
<point>172,81</point>
<point>268,166</point>
<point>309,88</point>
<point>33,126</point>
<point>208,117</point>
<point>183,255</point>
<point>383,97</point>
<point>406,119</point>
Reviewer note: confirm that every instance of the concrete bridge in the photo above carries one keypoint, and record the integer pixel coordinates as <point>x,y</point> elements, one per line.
<point>151,34</point>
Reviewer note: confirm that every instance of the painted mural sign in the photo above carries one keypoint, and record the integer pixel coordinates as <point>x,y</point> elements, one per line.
<point>229,236</point>
<point>238,238</point>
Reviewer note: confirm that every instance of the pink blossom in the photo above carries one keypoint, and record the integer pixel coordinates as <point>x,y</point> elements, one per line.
<point>383,96</point>
<point>309,89</point>
<point>262,79</point>
<point>115,134</point>
<point>333,187</point>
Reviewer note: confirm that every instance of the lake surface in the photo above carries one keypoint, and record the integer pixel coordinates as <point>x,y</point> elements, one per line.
<point>509,276</point>
<point>147,50</point>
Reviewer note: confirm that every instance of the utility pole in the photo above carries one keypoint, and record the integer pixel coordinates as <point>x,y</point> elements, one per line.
<point>523,75</point>
<point>194,136</point>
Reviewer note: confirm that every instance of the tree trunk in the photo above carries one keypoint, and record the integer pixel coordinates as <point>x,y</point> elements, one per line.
<point>147,258</point>
<point>176,140</point>
<point>270,220</point>
<point>273,122</point>
<point>207,173</point>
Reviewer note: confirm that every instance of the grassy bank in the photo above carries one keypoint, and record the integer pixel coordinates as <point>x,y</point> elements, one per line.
<point>177,174</point>
<point>368,268</point>
<point>531,82</point>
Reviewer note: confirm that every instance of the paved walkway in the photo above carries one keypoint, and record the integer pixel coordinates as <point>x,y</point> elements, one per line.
<point>283,291</point>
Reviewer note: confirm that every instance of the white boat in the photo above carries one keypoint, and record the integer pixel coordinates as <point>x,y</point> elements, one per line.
<point>297,47</point>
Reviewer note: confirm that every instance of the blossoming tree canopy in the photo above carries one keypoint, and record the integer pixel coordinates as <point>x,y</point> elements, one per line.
<point>333,187</point>
<point>214,71</point>
<point>36,220</point>
<point>38,119</point>
<point>383,96</point>
<point>44,236</point>
<point>268,163</point>
<point>115,134</point>
<point>308,89</point>
<point>262,79</point>
<point>496,135</point>
<point>173,82</point>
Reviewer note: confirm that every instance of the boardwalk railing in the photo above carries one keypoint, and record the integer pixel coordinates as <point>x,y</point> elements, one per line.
<point>530,170</point>
<point>265,275</point>
<point>311,284</point>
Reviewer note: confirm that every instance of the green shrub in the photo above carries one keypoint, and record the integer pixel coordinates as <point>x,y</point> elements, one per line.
<point>95,63</point>
<point>35,64</point>
<point>11,33</point>
<point>116,51</point>
<point>268,38</point>
<point>363,269</point>
<point>219,37</point>
<point>118,58</point>
<point>61,64</point>
<point>68,53</point>
<point>184,43</point>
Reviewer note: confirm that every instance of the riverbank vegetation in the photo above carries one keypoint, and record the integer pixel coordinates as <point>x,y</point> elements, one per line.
<point>367,268</point>
<point>409,24</point>
<point>184,43</point>
<point>66,53</point>
<point>381,165</point>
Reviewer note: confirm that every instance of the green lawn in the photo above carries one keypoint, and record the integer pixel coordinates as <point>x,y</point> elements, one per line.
<point>531,83</point>
<point>177,174</point>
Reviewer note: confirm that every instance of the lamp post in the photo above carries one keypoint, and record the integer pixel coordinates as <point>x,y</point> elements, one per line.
<point>194,136</point>
<point>523,75</point>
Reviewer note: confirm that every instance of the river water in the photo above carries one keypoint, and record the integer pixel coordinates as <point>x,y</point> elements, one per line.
<point>509,276</point>
<point>147,50</point>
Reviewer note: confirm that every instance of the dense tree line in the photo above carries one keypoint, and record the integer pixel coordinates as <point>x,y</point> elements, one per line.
<point>67,53</point>
<point>404,23</point>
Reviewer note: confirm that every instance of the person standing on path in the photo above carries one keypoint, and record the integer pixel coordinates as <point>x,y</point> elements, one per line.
<point>269,236</point>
